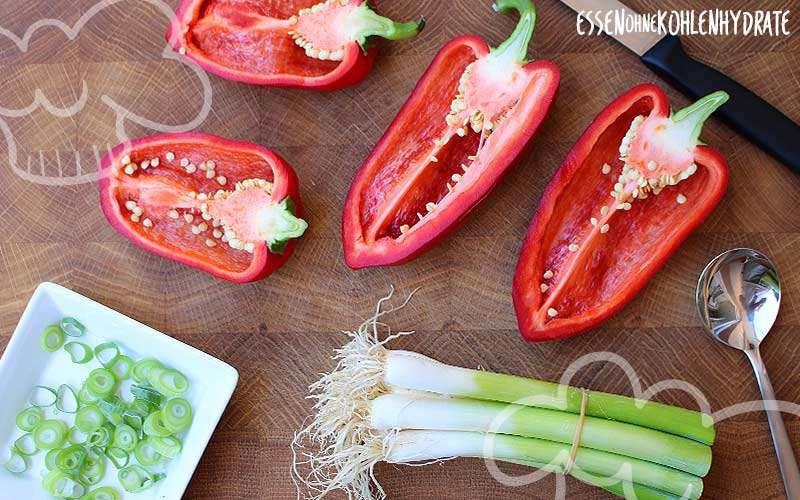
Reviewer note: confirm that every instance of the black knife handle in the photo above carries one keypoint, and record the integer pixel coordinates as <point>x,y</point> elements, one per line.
<point>749,114</point>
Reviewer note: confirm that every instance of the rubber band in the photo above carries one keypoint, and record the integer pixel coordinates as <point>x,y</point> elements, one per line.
<point>576,439</point>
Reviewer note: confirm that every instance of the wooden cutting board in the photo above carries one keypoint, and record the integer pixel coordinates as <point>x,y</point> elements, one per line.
<point>280,333</point>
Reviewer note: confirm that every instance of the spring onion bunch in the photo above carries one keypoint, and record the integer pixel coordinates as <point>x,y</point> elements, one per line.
<point>133,434</point>
<point>401,407</point>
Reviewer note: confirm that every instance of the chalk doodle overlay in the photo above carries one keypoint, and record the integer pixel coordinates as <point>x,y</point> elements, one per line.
<point>624,475</point>
<point>59,114</point>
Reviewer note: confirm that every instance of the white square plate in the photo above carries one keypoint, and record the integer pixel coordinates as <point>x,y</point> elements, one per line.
<point>25,364</point>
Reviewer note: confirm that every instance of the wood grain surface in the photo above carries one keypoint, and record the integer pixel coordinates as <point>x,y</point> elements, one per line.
<point>280,333</point>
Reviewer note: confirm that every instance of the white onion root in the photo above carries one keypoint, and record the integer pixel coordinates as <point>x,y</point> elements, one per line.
<point>345,448</point>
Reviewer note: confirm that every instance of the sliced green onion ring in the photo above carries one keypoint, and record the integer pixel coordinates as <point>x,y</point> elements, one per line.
<point>51,478</point>
<point>146,455</point>
<point>77,436</point>
<point>135,421</point>
<point>85,397</point>
<point>52,338</point>
<point>121,367</point>
<point>101,436</point>
<point>104,493</point>
<point>50,434</point>
<point>79,352</point>
<point>125,437</point>
<point>72,327</point>
<point>111,404</point>
<point>112,407</point>
<point>177,415</point>
<point>169,446</point>
<point>61,485</point>
<point>26,445</point>
<point>106,353</point>
<point>71,460</point>
<point>170,383</point>
<point>89,418</point>
<point>97,453</point>
<point>42,396</point>
<point>136,478</point>
<point>29,418</point>
<point>136,413</point>
<point>16,463</point>
<point>50,459</point>
<point>154,425</point>
<point>118,457</point>
<point>66,399</point>
<point>101,383</point>
<point>148,394</point>
<point>141,369</point>
<point>93,470</point>
<point>143,407</point>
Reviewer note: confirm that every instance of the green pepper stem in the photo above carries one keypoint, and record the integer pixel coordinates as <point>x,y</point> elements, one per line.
<point>693,117</point>
<point>515,49</point>
<point>367,23</point>
<point>285,226</point>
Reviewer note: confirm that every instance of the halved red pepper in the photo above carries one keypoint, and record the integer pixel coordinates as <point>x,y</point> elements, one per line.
<point>635,185</point>
<point>283,43</point>
<point>229,208</point>
<point>470,116</point>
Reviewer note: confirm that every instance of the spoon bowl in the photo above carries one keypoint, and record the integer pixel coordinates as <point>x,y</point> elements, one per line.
<point>738,297</point>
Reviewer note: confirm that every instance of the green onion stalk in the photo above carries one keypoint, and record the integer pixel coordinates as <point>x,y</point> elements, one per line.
<point>382,405</point>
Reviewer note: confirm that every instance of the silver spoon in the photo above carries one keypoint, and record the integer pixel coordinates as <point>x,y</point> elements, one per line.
<point>738,295</point>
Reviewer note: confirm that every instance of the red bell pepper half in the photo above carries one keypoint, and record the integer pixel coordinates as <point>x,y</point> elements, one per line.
<point>470,116</point>
<point>222,206</point>
<point>631,190</point>
<point>283,43</point>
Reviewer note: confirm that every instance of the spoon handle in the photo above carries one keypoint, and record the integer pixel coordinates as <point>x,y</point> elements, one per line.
<point>783,446</point>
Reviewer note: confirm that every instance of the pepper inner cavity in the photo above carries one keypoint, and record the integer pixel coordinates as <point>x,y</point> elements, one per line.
<point>218,216</point>
<point>317,29</point>
<point>586,225</point>
<point>475,114</point>
<point>639,178</point>
<point>656,152</point>
<point>435,181</point>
